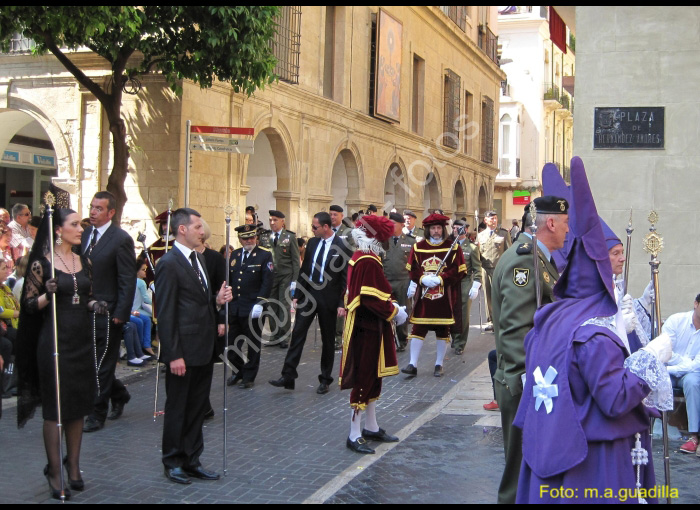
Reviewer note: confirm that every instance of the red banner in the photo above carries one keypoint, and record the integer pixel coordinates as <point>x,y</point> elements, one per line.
<point>521,200</point>
<point>222,130</point>
<point>557,29</point>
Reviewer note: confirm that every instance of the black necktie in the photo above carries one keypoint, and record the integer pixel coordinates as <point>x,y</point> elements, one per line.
<point>93,241</point>
<point>277,234</point>
<point>317,270</point>
<point>195,266</point>
<point>335,229</point>
<point>396,240</point>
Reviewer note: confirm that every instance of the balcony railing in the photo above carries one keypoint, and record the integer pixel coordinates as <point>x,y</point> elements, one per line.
<point>551,92</point>
<point>488,42</point>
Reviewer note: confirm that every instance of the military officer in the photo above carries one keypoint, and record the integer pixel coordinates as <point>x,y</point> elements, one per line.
<point>493,241</point>
<point>410,226</point>
<point>514,305</point>
<point>342,232</point>
<point>395,260</point>
<point>470,285</point>
<point>250,277</point>
<point>285,255</point>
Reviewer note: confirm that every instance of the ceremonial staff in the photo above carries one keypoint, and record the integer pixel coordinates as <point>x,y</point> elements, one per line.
<point>167,242</point>
<point>227,210</point>
<point>629,230</point>
<point>50,201</point>
<point>653,244</point>
<point>481,296</point>
<point>535,256</point>
<point>461,231</point>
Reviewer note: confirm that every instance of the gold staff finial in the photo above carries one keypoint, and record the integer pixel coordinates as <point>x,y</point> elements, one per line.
<point>653,242</point>
<point>49,199</point>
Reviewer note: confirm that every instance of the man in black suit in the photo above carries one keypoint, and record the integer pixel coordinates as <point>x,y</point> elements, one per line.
<point>186,326</point>
<point>251,279</point>
<point>111,251</point>
<point>319,291</point>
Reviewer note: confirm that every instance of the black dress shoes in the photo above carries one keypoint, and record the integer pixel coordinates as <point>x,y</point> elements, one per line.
<point>359,445</point>
<point>76,485</point>
<point>118,408</point>
<point>287,384</point>
<point>55,493</point>
<point>410,370</point>
<point>233,380</point>
<point>246,385</point>
<point>283,344</point>
<point>177,475</point>
<point>322,389</point>
<point>93,424</point>
<point>438,371</point>
<point>459,351</point>
<point>201,473</point>
<point>209,414</point>
<point>380,435</point>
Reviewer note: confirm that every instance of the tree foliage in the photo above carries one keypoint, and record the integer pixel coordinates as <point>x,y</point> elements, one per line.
<point>198,43</point>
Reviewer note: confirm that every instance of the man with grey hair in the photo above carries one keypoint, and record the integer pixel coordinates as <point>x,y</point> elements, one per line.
<point>21,236</point>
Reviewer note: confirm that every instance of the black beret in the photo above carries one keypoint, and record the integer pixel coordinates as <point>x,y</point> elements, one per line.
<point>372,208</point>
<point>246,231</point>
<point>549,204</point>
<point>276,214</point>
<point>396,217</point>
<point>336,208</point>
<point>250,208</point>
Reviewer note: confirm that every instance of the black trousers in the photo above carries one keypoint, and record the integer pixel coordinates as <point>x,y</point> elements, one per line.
<point>245,339</point>
<point>316,304</point>
<point>185,405</point>
<point>111,388</point>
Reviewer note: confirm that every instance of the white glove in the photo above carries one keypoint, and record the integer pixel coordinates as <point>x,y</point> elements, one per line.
<point>430,281</point>
<point>401,315</point>
<point>474,291</point>
<point>292,287</point>
<point>257,312</point>
<point>628,315</point>
<point>660,347</point>
<point>411,290</point>
<point>648,297</point>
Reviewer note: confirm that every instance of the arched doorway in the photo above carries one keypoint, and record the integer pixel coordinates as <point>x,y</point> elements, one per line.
<point>268,171</point>
<point>483,203</point>
<point>345,181</point>
<point>459,201</point>
<point>395,188</point>
<point>28,160</point>
<point>431,194</point>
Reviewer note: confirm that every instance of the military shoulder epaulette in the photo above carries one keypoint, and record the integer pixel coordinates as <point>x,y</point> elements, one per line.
<point>524,249</point>
<point>290,232</point>
<point>263,248</point>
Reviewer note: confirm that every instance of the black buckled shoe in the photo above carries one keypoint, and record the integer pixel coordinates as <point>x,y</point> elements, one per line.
<point>438,371</point>
<point>287,384</point>
<point>410,370</point>
<point>359,445</point>
<point>380,435</point>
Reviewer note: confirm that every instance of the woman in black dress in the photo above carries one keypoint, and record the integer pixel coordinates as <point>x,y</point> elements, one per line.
<point>72,290</point>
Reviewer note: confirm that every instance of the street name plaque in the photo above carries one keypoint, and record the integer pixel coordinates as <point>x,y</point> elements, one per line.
<point>629,127</point>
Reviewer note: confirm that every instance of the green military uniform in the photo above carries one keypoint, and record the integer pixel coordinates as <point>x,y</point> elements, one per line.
<point>492,245</point>
<point>395,261</point>
<point>417,233</point>
<point>472,258</point>
<point>343,233</point>
<point>285,256</point>
<point>514,306</point>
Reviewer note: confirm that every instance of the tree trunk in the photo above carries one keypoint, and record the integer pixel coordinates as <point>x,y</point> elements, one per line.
<point>120,168</point>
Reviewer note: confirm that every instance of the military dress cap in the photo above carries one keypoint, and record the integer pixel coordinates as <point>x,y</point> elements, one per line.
<point>246,231</point>
<point>276,214</point>
<point>490,214</point>
<point>336,208</point>
<point>549,204</point>
<point>396,217</point>
<point>372,208</point>
<point>436,219</point>
<point>461,223</point>
<point>408,212</point>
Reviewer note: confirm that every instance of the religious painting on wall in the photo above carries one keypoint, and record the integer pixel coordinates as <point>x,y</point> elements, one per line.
<point>388,72</point>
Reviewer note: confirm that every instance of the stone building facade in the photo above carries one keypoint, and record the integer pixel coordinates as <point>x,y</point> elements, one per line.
<point>317,140</point>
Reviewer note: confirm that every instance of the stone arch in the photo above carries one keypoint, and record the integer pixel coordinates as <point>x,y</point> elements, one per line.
<point>432,196</point>
<point>346,178</point>
<point>396,187</point>
<point>459,199</point>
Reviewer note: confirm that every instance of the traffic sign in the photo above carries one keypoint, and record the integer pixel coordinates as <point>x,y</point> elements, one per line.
<point>220,148</point>
<point>219,140</point>
<point>222,130</point>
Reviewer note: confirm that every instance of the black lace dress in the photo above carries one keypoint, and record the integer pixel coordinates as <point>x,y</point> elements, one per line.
<point>75,345</point>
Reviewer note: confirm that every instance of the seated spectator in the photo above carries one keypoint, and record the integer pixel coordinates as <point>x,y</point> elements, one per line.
<point>5,250</point>
<point>5,216</point>
<point>9,319</point>
<point>134,354</point>
<point>684,366</point>
<point>142,311</point>
<point>16,279</point>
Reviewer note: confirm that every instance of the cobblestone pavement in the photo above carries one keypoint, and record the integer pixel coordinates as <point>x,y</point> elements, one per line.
<point>288,446</point>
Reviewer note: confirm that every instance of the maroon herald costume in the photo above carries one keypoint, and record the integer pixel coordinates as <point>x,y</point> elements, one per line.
<point>369,352</point>
<point>436,311</point>
<point>157,249</point>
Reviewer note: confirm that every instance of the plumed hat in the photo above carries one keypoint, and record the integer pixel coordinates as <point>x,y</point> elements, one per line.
<point>380,228</point>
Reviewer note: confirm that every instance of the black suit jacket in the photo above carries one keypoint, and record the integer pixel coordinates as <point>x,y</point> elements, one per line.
<point>113,270</point>
<point>216,268</point>
<point>251,282</point>
<point>335,272</point>
<point>186,312</point>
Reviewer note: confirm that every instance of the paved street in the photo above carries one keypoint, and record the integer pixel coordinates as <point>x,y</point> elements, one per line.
<point>289,447</point>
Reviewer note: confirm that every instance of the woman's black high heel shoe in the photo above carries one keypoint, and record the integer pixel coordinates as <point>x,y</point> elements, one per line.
<point>55,493</point>
<point>76,485</point>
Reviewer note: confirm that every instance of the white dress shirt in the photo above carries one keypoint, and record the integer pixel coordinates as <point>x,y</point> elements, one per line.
<point>325,254</point>
<point>686,344</point>
<point>186,252</point>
